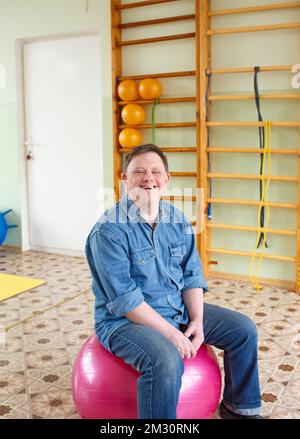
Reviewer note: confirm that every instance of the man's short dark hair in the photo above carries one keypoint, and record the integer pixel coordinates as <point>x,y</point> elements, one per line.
<point>142,149</point>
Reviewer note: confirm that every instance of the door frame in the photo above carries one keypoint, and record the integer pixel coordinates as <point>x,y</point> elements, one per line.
<point>21,126</point>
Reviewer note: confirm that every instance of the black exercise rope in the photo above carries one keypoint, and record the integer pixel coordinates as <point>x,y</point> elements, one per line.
<point>209,208</point>
<point>261,131</point>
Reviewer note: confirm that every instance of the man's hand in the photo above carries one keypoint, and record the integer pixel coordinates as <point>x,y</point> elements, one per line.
<point>144,314</point>
<point>195,329</point>
<point>184,346</point>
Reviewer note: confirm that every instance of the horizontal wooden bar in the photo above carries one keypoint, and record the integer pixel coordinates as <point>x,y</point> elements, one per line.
<point>251,124</point>
<point>287,68</point>
<point>243,253</point>
<point>251,203</point>
<point>156,39</point>
<point>183,174</point>
<point>179,198</point>
<point>255,150</point>
<point>168,149</point>
<point>159,75</point>
<point>142,3</point>
<point>161,101</point>
<point>233,201</point>
<point>251,229</point>
<point>251,177</point>
<point>269,27</point>
<point>261,8</point>
<point>161,125</point>
<point>156,21</point>
<point>252,96</point>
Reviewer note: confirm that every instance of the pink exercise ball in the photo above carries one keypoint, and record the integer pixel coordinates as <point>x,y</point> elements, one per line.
<point>105,387</point>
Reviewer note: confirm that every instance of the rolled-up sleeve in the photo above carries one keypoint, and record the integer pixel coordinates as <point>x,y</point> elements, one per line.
<point>191,263</point>
<point>110,266</point>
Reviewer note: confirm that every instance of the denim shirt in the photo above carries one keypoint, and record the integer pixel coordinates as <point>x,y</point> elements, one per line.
<point>132,262</point>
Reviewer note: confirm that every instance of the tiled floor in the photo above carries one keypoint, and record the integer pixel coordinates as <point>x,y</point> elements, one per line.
<point>36,361</point>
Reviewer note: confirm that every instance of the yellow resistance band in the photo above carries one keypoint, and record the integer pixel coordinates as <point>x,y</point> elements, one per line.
<point>264,199</point>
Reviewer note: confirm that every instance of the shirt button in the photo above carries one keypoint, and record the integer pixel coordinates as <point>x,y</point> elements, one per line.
<point>142,261</point>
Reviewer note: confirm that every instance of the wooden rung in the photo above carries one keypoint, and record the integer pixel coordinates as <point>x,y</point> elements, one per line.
<point>232,201</point>
<point>254,9</point>
<point>251,177</point>
<point>168,149</point>
<point>252,96</point>
<point>179,198</point>
<point>142,3</point>
<point>161,125</point>
<point>251,229</point>
<point>235,30</point>
<point>157,39</point>
<point>255,150</point>
<point>183,174</point>
<point>157,21</point>
<point>158,75</point>
<point>251,124</point>
<point>161,101</point>
<point>243,253</point>
<point>251,203</point>
<point>250,69</point>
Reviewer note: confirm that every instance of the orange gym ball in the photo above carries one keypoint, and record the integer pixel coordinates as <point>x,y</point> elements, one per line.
<point>130,137</point>
<point>128,90</point>
<point>133,114</point>
<point>149,88</point>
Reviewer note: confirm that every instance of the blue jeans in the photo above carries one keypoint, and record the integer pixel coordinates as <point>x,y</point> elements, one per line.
<point>161,366</point>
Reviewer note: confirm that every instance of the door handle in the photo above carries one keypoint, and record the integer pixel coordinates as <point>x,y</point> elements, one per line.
<point>28,145</point>
<point>29,156</point>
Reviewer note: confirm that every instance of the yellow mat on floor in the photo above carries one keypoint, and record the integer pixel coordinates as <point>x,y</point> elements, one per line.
<point>11,285</point>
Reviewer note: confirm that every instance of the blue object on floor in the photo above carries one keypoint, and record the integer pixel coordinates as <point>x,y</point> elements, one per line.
<point>4,226</point>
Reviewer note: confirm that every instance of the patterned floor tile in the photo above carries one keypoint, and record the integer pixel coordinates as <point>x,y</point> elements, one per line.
<point>47,359</point>
<point>8,412</point>
<point>53,403</point>
<point>11,384</point>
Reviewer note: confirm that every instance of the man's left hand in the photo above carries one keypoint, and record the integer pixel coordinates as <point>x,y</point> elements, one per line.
<point>195,329</point>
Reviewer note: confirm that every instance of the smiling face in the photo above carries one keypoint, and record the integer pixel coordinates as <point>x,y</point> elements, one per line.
<point>145,179</point>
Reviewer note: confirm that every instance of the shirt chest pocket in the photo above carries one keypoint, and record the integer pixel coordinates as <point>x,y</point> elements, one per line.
<point>142,257</point>
<point>176,254</point>
<point>142,266</point>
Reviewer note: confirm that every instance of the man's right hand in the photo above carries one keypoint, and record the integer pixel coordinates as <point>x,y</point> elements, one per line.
<point>184,346</point>
<point>144,314</point>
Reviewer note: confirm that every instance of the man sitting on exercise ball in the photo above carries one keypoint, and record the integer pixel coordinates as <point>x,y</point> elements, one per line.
<point>149,311</point>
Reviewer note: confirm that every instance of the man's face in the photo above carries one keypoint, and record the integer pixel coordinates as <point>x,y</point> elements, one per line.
<point>145,178</point>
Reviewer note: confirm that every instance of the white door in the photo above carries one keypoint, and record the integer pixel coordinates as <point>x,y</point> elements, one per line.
<point>63,141</point>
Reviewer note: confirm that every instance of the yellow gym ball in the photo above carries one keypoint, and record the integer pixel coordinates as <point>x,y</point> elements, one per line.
<point>150,88</point>
<point>128,90</point>
<point>133,114</point>
<point>130,137</point>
